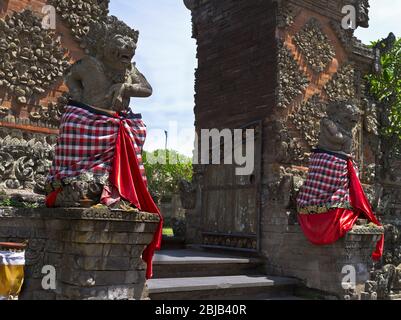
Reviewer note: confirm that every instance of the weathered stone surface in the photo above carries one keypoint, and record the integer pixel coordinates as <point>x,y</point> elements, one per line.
<point>342,86</point>
<point>315,46</point>
<point>31,57</point>
<point>292,82</point>
<point>25,160</point>
<point>94,263</point>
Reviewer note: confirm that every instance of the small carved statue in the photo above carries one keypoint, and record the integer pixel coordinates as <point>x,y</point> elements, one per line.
<point>337,128</point>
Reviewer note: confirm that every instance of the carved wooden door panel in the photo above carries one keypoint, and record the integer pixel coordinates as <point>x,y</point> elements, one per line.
<point>231,203</point>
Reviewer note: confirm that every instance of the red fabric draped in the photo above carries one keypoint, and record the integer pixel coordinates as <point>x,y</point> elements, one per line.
<point>127,178</point>
<point>327,228</point>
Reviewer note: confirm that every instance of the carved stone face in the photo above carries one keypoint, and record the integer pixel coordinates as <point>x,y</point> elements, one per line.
<point>119,52</point>
<point>350,115</point>
<point>345,114</point>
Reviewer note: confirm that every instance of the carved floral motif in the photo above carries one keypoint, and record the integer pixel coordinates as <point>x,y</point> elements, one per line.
<point>79,14</point>
<point>25,159</point>
<point>315,46</point>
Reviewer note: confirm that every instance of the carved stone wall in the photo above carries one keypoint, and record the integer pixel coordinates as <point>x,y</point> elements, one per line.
<point>33,61</point>
<point>79,14</point>
<point>32,58</point>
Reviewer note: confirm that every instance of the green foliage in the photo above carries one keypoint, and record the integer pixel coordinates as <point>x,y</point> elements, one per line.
<point>386,87</point>
<point>164,170</point>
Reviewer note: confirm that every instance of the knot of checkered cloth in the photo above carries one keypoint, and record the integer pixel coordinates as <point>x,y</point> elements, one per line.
<point>87,141</point>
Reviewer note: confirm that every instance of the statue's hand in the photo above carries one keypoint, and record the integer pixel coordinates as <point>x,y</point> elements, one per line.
<point>116,94</point>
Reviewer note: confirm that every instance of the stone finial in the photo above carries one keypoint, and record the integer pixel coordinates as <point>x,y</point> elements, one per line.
<point>362,7</point>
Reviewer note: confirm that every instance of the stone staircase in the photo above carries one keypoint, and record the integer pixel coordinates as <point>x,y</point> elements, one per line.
<point>194,274</point>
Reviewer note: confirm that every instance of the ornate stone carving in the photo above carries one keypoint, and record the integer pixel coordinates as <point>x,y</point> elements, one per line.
<point>362,13</point>
<point>292,82</point>
<point>40,116</point>
<point>337,129</point>
<point>31,58</point>
<point>342,86</point>
<point>287,149</point>
<point>315,46</point>
<point>286,13</point>
<point>79,14</point>
<point>307,119</point>
<point>25,159</point>
<point>106,78</point>
<point>370,118</point>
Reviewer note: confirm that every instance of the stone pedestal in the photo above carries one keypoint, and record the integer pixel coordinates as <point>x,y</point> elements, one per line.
<point>96,253</point>
<point>330,268</point>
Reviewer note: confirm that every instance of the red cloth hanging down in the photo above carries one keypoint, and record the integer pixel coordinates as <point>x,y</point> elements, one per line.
<point>127,178</point>
<point>326,228</point>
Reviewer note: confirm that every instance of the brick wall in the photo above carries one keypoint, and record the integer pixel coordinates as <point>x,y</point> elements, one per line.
<point>236,53</point>
<point>7,7</point>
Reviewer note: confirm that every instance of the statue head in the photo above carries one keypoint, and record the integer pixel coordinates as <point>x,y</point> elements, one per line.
<point>113,42</point>
<point>363,13</point>
<point>345,114</point>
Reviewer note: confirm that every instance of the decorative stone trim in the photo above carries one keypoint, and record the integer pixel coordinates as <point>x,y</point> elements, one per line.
<point>25,159</point>
<point>367,230</point>
<point>95,213</point>
<point>307,119</point>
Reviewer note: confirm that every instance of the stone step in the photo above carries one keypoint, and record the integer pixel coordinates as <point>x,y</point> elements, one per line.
<point>213,288</point>
<point>198,263</point>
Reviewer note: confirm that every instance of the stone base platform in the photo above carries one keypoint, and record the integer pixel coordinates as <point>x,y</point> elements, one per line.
<point>77,254</point>
<point>340,269</point>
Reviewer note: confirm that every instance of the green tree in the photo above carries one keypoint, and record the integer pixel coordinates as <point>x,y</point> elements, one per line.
<point>164,170</point>
<point>386,87</point>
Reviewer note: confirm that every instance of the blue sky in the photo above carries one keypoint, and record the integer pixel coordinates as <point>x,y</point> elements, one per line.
<point>166,55</point>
